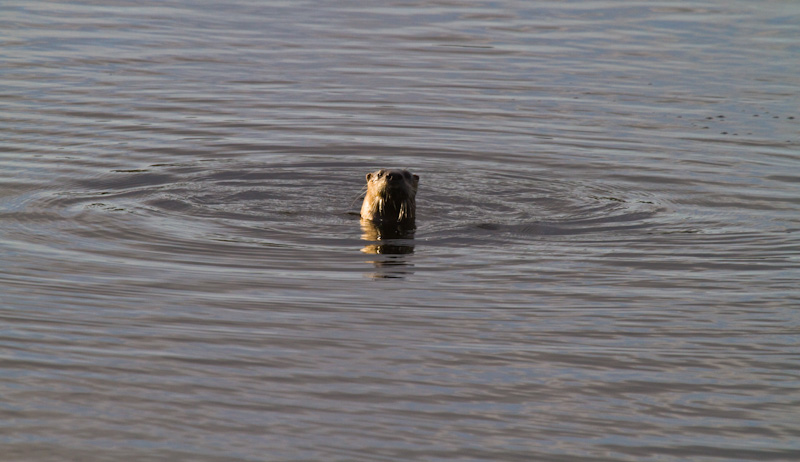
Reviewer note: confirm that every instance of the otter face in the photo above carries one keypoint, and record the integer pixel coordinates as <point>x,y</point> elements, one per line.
<point>400,180</point>
<point>390,196</point>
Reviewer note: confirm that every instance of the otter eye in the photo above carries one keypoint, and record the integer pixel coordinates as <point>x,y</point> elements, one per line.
<point>381,173</point>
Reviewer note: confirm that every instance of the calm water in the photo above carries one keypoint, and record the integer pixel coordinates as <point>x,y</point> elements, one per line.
<point>605,268</point>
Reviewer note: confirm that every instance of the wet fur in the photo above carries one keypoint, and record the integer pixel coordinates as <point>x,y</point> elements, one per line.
<point>390,202</point>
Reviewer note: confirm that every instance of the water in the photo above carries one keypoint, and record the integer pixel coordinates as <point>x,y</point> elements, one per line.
<point>605,265</point>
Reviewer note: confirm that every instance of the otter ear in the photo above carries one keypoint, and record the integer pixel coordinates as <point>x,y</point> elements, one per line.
<point>369,176</point>
<point>416,178</point>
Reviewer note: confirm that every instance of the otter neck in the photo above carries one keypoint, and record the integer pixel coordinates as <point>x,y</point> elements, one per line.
<point>398,211</point>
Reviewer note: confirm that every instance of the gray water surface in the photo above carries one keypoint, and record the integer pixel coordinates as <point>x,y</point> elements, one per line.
<point>605,266</point>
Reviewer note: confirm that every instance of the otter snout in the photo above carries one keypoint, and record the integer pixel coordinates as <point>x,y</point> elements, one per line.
<point>394,177</point>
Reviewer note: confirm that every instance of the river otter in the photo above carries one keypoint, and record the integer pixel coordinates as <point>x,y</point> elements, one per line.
<point>390,198</point>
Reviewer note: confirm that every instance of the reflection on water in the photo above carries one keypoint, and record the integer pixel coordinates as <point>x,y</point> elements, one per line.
<point>392,238</point>
<point>393,241</point>
<point>604,264</point>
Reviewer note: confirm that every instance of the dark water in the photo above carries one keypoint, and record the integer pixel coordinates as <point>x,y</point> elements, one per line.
<point>605,267</point>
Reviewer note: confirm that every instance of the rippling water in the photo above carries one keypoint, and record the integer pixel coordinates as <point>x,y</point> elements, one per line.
<point>605,265</point>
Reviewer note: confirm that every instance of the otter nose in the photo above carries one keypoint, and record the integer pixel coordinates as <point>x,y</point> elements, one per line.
<point>392,176</point>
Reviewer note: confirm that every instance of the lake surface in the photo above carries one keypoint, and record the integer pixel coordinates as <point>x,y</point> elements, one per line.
<point>605,266</point>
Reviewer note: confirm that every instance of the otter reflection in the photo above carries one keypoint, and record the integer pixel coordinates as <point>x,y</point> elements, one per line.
<point>391,246</point>
<point>387,240</point>
<point>389,210</point>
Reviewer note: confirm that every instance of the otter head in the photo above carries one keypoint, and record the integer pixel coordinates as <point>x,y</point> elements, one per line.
<point>390,197</point>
